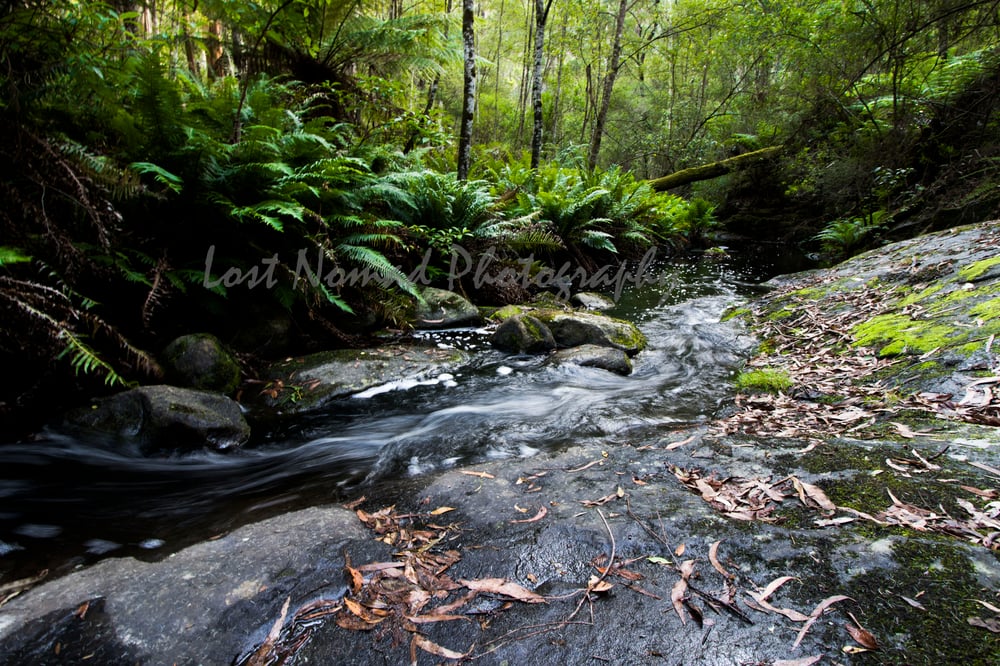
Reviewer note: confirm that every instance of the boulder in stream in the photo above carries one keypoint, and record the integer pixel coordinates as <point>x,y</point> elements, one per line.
<point>305,383</point>
<point>445,309</point>
<point>595,356</point>
<point>523,334</point>
<point>590,300</point>
<point>572,329</point>
<point>167,418</point>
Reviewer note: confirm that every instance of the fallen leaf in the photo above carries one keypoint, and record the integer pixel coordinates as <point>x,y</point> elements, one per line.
<point>505,588</point>
<point>679,550</point>
<point>988,606</point>
<point>655,559</point>
<point>815,493</point>
<point>442,509</point>
<point>596,584</point>
<point>773,586</point>
<point>913,602</point>
<point>677,445</point>
<point>354,578</point>
<point>862,636</point>
<point>713,557</point>
<point>262,654</point>
<point>538,516</point>
<point>427,645</point>
<point>814,615</point>
<point>992,624</point>
<point>481,475</point>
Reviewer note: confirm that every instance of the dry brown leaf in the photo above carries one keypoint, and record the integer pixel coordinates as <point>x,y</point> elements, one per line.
<point>435,617</point>
<point>987,606</point>
<point>505,588</point>
<point>991,493</point>
<point>814,615</point>
<point>862,636</point>
<point>538,516</point>
<point>355,579</point>
<point>677,594</point>
<point>679,550</point>
<point>991,624</point>
<point>677,445</point>
<point>773,586</point>
<point>481,475</point>
<point>427,645</point>
<point>790,613</point>
<point>261,655</point>
<point>597,584</point>
<point>814,493</point>
<point>442,509</point>
<point>713,557</point>
<point>913,602</point>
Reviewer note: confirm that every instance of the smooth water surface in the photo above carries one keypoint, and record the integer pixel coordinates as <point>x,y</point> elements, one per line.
<point>65,501</point>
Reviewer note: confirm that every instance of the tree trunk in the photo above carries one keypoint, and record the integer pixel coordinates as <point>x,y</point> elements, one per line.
<point>541,16</point>
<point>468,90</point>
<point>713,170</point>
<point>609,84</point>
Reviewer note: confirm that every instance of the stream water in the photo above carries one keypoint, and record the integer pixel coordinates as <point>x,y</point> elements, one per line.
<point>65,502</point>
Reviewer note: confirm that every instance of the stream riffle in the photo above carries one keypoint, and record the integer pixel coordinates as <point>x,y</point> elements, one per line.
<point>68,501</point>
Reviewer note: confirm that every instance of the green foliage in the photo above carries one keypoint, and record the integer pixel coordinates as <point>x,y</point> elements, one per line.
<point>843,237</point>
<point>767,380</point>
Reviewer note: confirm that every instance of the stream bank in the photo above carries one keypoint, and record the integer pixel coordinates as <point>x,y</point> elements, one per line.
<point>759,536</point>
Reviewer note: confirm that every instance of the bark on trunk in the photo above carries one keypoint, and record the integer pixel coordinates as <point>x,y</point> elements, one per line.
<point>614,62</point>
<point>469,89</point>
<point>541,16</point>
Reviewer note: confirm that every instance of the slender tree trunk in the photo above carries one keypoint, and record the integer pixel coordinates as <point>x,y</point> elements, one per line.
<point>541,16</point>
<point>214,47</point>
<point>557,95</point>
<point>468,90</point>
<point>614,64</point>
<point>496,81</point>
<point>522,95</point>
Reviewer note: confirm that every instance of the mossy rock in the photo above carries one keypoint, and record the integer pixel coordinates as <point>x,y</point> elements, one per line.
<point>444,309</point>
<point>200,361</point>
<point>167,418</point>
<point>572,329</point>
<point>594,356</point>
<point>523,333</point>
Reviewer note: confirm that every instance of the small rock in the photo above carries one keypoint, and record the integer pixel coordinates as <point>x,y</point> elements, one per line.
<point>590,300</point>
<point>595,356</point>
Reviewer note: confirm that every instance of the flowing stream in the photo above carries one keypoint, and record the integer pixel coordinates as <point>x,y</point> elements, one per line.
<point>65,502</point>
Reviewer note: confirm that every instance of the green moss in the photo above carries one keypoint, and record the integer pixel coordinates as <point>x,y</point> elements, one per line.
<point>920,295</point>
<point>936,573</point>
<point>506,312</point>
<point>734,313</point>
<point>897,333</point>
<point>976,269</point>
<point>768,380</point>
<point>987,310</point>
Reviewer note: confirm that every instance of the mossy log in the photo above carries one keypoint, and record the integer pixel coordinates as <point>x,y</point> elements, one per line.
<point>713,170</point>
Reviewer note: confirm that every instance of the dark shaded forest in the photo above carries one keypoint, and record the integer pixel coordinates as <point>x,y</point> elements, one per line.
<point>178,167</point>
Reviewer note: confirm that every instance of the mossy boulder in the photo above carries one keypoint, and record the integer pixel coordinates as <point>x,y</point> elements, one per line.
<point>444,309</point>
<point>166,419</point>
<point>200,361</point>
<point>523,334</point>
<point>595,356</point>
<point>572,329</point>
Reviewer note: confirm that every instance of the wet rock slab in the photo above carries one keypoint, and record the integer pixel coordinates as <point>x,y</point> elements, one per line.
<point>305,383</point>
<point>553,525</point>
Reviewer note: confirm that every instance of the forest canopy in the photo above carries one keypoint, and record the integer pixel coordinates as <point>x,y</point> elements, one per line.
<point>141,134</point>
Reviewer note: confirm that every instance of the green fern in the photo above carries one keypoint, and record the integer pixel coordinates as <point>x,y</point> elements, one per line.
<point>85,360</point>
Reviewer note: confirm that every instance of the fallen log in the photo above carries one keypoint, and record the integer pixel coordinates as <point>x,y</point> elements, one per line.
<point>713,170</point>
